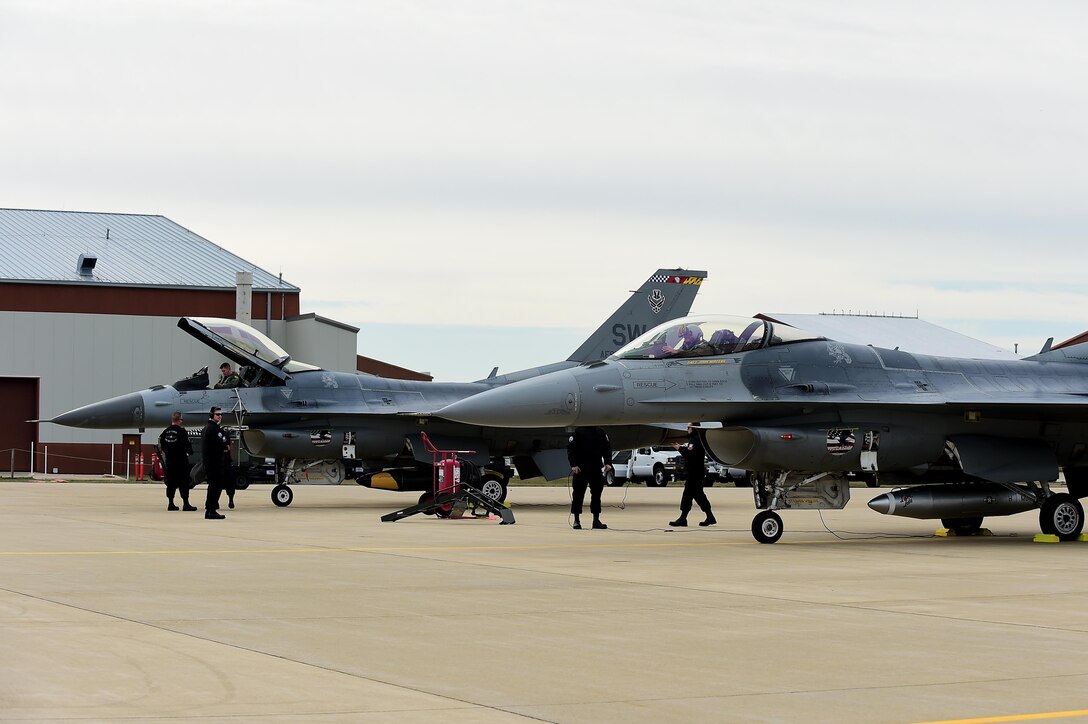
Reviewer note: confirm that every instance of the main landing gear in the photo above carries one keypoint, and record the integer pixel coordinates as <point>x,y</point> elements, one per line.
<point>1062,515</point>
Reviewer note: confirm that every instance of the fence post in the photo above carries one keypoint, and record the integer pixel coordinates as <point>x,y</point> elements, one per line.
<point>13,463</point>
<point>113,456</point>
<point>45,451</point>
<point>128,464</point>
<point>32,459</point>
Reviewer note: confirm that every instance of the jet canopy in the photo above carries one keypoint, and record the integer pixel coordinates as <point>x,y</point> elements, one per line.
<point>263,362</point>
<point>705,336</point>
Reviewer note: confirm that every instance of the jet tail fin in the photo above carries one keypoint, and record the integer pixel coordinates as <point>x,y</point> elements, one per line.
<point>668,294</point>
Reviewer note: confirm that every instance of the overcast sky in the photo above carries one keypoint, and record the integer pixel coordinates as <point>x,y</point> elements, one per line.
<point>523,164</point>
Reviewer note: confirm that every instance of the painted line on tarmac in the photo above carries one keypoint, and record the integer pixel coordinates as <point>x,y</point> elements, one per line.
<point>1014,717</point>
<point>381,549</point>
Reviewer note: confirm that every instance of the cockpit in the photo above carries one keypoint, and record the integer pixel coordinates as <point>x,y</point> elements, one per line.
<point>261,362</point>
<point>710,336</point>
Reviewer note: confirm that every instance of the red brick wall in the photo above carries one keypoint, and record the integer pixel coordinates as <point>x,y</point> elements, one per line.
<point>148,301</point>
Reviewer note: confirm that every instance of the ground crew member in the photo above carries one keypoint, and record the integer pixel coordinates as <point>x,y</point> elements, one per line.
<point>589,453</point>
<point>176,449</point>
<point>215,452</point>
<point>694,472</point>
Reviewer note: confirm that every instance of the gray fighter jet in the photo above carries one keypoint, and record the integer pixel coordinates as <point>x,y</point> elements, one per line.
<point>324,427</point>
<point>969,438</point>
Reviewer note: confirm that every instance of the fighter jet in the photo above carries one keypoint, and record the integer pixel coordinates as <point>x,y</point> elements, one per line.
<point>325,426</point>
<point>967,439</point>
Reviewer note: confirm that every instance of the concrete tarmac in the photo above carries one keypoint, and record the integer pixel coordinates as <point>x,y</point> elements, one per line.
<point>112,608</point>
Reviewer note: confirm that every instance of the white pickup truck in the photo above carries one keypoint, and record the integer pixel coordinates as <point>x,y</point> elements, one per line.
<point>655,465</point>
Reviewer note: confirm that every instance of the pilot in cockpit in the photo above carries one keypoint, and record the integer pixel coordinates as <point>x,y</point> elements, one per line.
<point>690,336</point>
<point>227,378</point>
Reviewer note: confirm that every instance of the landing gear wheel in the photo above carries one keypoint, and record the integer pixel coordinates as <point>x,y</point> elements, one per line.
<point>767,526</point>
<point>1062,515</point>
<point>963,526</point>
<point>493,488</point>
<point>282,496</point>
<point>426,498</point>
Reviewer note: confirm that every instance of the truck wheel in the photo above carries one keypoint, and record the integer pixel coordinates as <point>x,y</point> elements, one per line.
<point>660,479</point>
<point>610,480</point>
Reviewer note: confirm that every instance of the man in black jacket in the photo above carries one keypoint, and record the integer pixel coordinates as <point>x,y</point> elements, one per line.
<point>694,473</point>
<point>215,452</point>
<point>589,453</point>
<point>176,449</point>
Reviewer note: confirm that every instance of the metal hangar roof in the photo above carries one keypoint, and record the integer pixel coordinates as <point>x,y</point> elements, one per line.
<point>117,250</point>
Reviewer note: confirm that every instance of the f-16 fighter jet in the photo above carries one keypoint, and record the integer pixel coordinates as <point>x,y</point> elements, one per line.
<point>326,426</point>
<point>967,439</point>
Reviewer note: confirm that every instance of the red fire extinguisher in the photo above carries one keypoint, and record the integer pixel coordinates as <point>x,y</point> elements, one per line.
<point>157,473</point>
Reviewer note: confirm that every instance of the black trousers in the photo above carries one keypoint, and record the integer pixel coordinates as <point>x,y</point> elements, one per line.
<point>693,491</point>
<point>216,484</point>
<point>177,481</point>
<point>578,495</point>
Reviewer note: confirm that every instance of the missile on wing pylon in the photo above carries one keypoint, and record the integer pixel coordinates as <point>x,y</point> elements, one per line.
<point>954,501</point>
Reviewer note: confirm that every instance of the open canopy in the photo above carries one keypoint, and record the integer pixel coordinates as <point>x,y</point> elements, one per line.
<point>264,359</point>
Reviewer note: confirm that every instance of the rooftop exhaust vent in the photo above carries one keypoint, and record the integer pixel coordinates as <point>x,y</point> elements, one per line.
<point>86,264</point>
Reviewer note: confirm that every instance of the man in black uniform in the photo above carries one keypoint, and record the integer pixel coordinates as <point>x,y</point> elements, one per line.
<point>694,471</point>
<point>175,447</point>
<point>589,453</point>
<point>215,452</point>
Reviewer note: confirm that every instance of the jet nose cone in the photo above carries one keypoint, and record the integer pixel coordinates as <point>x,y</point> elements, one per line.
<point>117,413</point>
<point>547,401</point>
<point>883,503</point>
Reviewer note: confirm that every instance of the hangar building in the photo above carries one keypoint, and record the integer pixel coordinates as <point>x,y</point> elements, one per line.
<point>89,304</point>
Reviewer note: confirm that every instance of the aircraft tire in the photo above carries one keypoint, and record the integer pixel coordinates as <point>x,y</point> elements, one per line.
<point>767,526</point>
<point>963,526</point>
<point>1062,515</point>
<point>282,496</point>
<point>493,487</point>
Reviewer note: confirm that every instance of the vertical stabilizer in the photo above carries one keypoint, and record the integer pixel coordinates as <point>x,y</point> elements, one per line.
<point>668,294</point>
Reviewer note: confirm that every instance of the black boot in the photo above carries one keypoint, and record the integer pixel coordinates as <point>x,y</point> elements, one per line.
<point>577,524</point>
<point>213,515</point>
<point>598,525</point>
<point>172,506</point>
<point>710,520</point>
<point>188,507</point>
<point>681,522</point>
